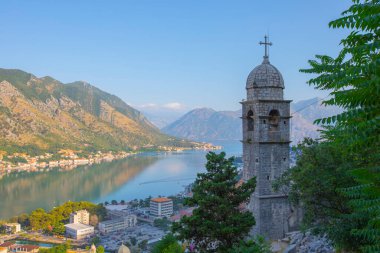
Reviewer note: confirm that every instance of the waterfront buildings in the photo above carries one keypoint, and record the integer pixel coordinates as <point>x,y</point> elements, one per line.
<point>82,216</point>
<point>22,248</point>
<point>79,231</point>
<point>161,207</point>
<point>117,224</point>
<point>11,246</point>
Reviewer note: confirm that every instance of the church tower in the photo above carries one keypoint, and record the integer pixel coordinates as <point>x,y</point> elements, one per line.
<point>266,117</point>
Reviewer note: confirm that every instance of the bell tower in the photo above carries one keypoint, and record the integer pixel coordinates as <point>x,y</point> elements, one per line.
<point>266,133</point>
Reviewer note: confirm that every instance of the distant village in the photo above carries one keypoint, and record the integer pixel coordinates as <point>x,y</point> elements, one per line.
<point>70,159</point>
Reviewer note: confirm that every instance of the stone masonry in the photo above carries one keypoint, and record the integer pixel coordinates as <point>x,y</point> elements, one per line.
<point>266,118</point>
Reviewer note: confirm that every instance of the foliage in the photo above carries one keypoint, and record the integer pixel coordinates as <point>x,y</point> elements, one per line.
<point>256,245</point>
<point>321,171</point>
<point>353,78</point>
<point>62,248</point>
<point>15,160</point>
<point>168,244</point>
<point>53,221</point>
<point>163,223</point>
<point>100,249</point>
<point>217,220</point>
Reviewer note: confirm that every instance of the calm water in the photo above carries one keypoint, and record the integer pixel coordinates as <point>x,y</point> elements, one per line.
<point>140,176</point>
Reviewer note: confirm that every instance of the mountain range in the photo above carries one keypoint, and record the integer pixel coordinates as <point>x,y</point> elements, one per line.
<point>45,114</point>
<point>206,124</point>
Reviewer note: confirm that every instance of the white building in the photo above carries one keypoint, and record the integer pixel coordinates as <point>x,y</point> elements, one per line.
<point>78,231</point>
<point>117,224</point>
<point>12,227</point>
<point>82,216</point>
<point>161,207</point>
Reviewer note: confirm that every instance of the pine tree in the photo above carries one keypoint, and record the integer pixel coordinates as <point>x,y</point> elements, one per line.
<point>217,223</point>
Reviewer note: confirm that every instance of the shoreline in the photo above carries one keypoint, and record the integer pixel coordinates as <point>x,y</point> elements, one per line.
<point>70,160</point>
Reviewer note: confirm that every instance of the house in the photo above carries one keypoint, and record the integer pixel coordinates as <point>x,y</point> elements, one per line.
<point>79,231</point>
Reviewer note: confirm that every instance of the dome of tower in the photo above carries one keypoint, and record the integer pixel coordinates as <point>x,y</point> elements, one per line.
<point>265,75</point>
<point>123,249</point>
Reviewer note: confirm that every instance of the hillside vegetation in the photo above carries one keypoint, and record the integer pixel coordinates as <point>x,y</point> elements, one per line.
<point>43,114</point>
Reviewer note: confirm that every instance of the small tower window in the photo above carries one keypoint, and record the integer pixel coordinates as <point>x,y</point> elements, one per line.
<point>250,120</point>
<point>284,122</point>
<point>274,119</point>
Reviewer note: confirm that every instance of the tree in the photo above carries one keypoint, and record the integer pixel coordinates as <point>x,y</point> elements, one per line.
<point>354,80</point>
<point>100,249</point>
<point>163,223</point>
<point>114,202</point>
<point>217,223</point>
<point>257,245</point>
<point>168,244</point>
<point>316,181</point>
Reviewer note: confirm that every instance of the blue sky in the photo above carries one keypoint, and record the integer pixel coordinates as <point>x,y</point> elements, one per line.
<point>173,54</point>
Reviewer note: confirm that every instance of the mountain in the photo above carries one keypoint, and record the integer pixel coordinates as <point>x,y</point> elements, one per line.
<point>45,114</point>
<point>206,124</point>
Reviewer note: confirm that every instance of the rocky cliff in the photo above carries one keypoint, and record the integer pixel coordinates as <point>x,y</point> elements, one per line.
<point>45,114</point>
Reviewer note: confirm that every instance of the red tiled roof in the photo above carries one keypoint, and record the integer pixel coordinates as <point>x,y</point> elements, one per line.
<point>160,200</point>
<point>7,244</point>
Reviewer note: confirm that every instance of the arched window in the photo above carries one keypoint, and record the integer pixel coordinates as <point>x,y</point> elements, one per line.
<point>274,118</point>
<point>250,120</point>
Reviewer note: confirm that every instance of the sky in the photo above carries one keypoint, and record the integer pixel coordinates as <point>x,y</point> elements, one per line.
<point>169,54</point>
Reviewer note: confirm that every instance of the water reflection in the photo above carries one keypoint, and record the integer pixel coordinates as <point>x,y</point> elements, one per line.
<point>134,177</point>
<point>24,192</point>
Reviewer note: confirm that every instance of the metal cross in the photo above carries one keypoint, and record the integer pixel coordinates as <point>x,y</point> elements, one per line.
<point>266,43</point>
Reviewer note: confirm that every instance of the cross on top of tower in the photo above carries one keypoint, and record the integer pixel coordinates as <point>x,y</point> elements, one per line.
<point>266,43</point>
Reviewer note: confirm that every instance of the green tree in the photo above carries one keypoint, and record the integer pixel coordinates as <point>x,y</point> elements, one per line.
<point>316,181</point>
<point>100,249</point>
<point>353,77</point>
<point>39,219</point>
<point>168,244</point>
<point>217,219</point>
<point>163,223</point>
<point>173,248</point>
<point>257,245</point>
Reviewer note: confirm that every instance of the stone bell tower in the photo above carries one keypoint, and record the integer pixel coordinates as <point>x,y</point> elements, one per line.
<point>266,117</point>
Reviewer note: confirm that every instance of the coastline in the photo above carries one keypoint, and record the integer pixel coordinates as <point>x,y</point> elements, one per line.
<point>69,159</point>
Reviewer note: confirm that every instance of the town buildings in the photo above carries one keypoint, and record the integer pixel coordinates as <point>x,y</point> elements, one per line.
<point>10,247</point>
<point>79,231</point>
<point>117,224</point>
<point>82,216</point>
<point>161,207</point>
